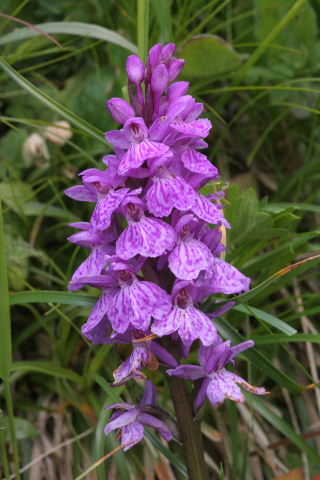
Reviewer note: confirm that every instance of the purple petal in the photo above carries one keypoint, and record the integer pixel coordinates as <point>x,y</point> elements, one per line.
<point>241,347</point>
<point>198,163</point>
<point>124,419</point>
<point>152,421</point>
<point>117,138</point>
<point>168,193</point>
<point>163,355</point>
<point>222,386</point>
<point>168,324</point>
<point>202,393</point>
<point>123,405</point>
<point>197,128</point>
<point>101,218</point>
<point>195,324</point>
<point>150,394</point>
<point>140,152</point>
<point>132,433</point>
<point>136,304</point>
<point>93,265</point>
<point>208,211</point>
<point>97,328</point>
<point>246,385</point>
<point>190,372</point>
<point>149,237</point>
<point>81,193</point>
<point>224,278</point>
<point>189,258</point>
<point>141,355</point>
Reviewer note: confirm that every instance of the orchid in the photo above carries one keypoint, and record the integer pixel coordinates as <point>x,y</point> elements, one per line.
<point>156,244</point>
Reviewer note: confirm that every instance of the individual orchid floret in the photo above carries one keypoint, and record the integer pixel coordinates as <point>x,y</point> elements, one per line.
<point>188,321</point>
<point>219,383</point>
<point>145,353</point>
<point>134,139</point>
<point>131,420</point>
<point>149,237</point>
<point>190,255</point>
<point>120,110</point>
<point>127,301</point>
<point>168,191</point>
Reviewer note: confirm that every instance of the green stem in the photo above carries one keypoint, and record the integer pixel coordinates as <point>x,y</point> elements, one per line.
<point>6,345</point>
<point>189,430</point>
<point>143,28</point>
<point>4,456</point>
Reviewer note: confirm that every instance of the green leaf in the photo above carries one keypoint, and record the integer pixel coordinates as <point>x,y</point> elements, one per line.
<point>46,368</point>
<point>52,104</point>
<point>282,426</point>
<point>173,459</point>
<point>280,337</point>
<point>208,55</point>
<point>24,430</point>
<point>82,29</point>
<point>257,358</point>
<point>280,207</point>
<point>266,317</point>
<point>51,296</point>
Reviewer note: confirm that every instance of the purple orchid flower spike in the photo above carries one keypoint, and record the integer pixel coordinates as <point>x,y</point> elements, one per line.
<point>132,420</point>
<point>219,383</point>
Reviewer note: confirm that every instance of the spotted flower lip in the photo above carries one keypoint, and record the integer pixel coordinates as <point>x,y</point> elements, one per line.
<point>131,420</point>
<point>219,383</point>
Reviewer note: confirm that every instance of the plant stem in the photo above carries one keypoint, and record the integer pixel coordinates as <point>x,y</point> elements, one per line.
<point>189,430</point>
<point>6,345</point>
<point>143,28</point>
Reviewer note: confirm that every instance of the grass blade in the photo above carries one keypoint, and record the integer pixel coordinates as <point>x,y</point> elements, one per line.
<point>51,296</point>
<point>52,104</point>
<point>82,29</point>
<point>46,368</point>
<point>267,318</point>
<point>6,344</point>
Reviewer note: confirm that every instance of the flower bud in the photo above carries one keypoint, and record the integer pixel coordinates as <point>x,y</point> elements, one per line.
<point>159,79</point>
<point>35,148</point>
<point>177,89</point>
<point>120,110</point>
<point>168,52</point>
<point>155,55</point>
<point>175,68</point>
<point>59,132</point>
<point>135,69</point>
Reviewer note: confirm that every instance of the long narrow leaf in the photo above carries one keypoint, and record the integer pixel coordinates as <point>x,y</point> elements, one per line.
<point>51,296</point>
<point>46,368</point>
<point>52,104</point>
<point>267,318</point>
<point>82,29</point>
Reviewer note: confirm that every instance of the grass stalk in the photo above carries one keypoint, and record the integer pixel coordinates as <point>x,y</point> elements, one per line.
<point>143,28</point>
<point>6,345</point>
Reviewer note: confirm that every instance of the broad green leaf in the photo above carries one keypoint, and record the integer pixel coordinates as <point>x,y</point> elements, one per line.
<point>208,55</point>
<point>51,296</point>
<point>24,430</point>
<point>300,33</point>
<point>257,358</point>
<point>282,426</point>
<point>46,368</point>
<point>52,104</point>
<point>280,337</point>
<point>82,29</point>
<point>267,318</point>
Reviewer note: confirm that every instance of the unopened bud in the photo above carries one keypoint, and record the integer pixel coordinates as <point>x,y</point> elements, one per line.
<point>135,69</point>
<point>35,148</point>
<point>168,52</point>
<point>177,89</point>
<point>59,133</point>
<point>175,68</point>
<point>155,55</point>
<point>120,110</point>
<point>159,79</point>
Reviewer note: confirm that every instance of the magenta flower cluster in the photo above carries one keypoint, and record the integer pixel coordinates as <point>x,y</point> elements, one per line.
<point>155,254</point>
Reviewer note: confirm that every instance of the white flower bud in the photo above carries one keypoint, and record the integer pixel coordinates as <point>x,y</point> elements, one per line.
<point>59,133</point>
<point>35,147</point>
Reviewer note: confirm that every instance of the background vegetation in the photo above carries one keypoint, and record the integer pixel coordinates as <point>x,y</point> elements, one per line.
<point>256,66</point>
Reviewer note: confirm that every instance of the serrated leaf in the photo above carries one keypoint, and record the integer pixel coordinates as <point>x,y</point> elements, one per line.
<point>208,55</point>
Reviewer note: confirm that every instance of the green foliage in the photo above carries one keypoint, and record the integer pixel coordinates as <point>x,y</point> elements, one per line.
<point>255,65</point>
